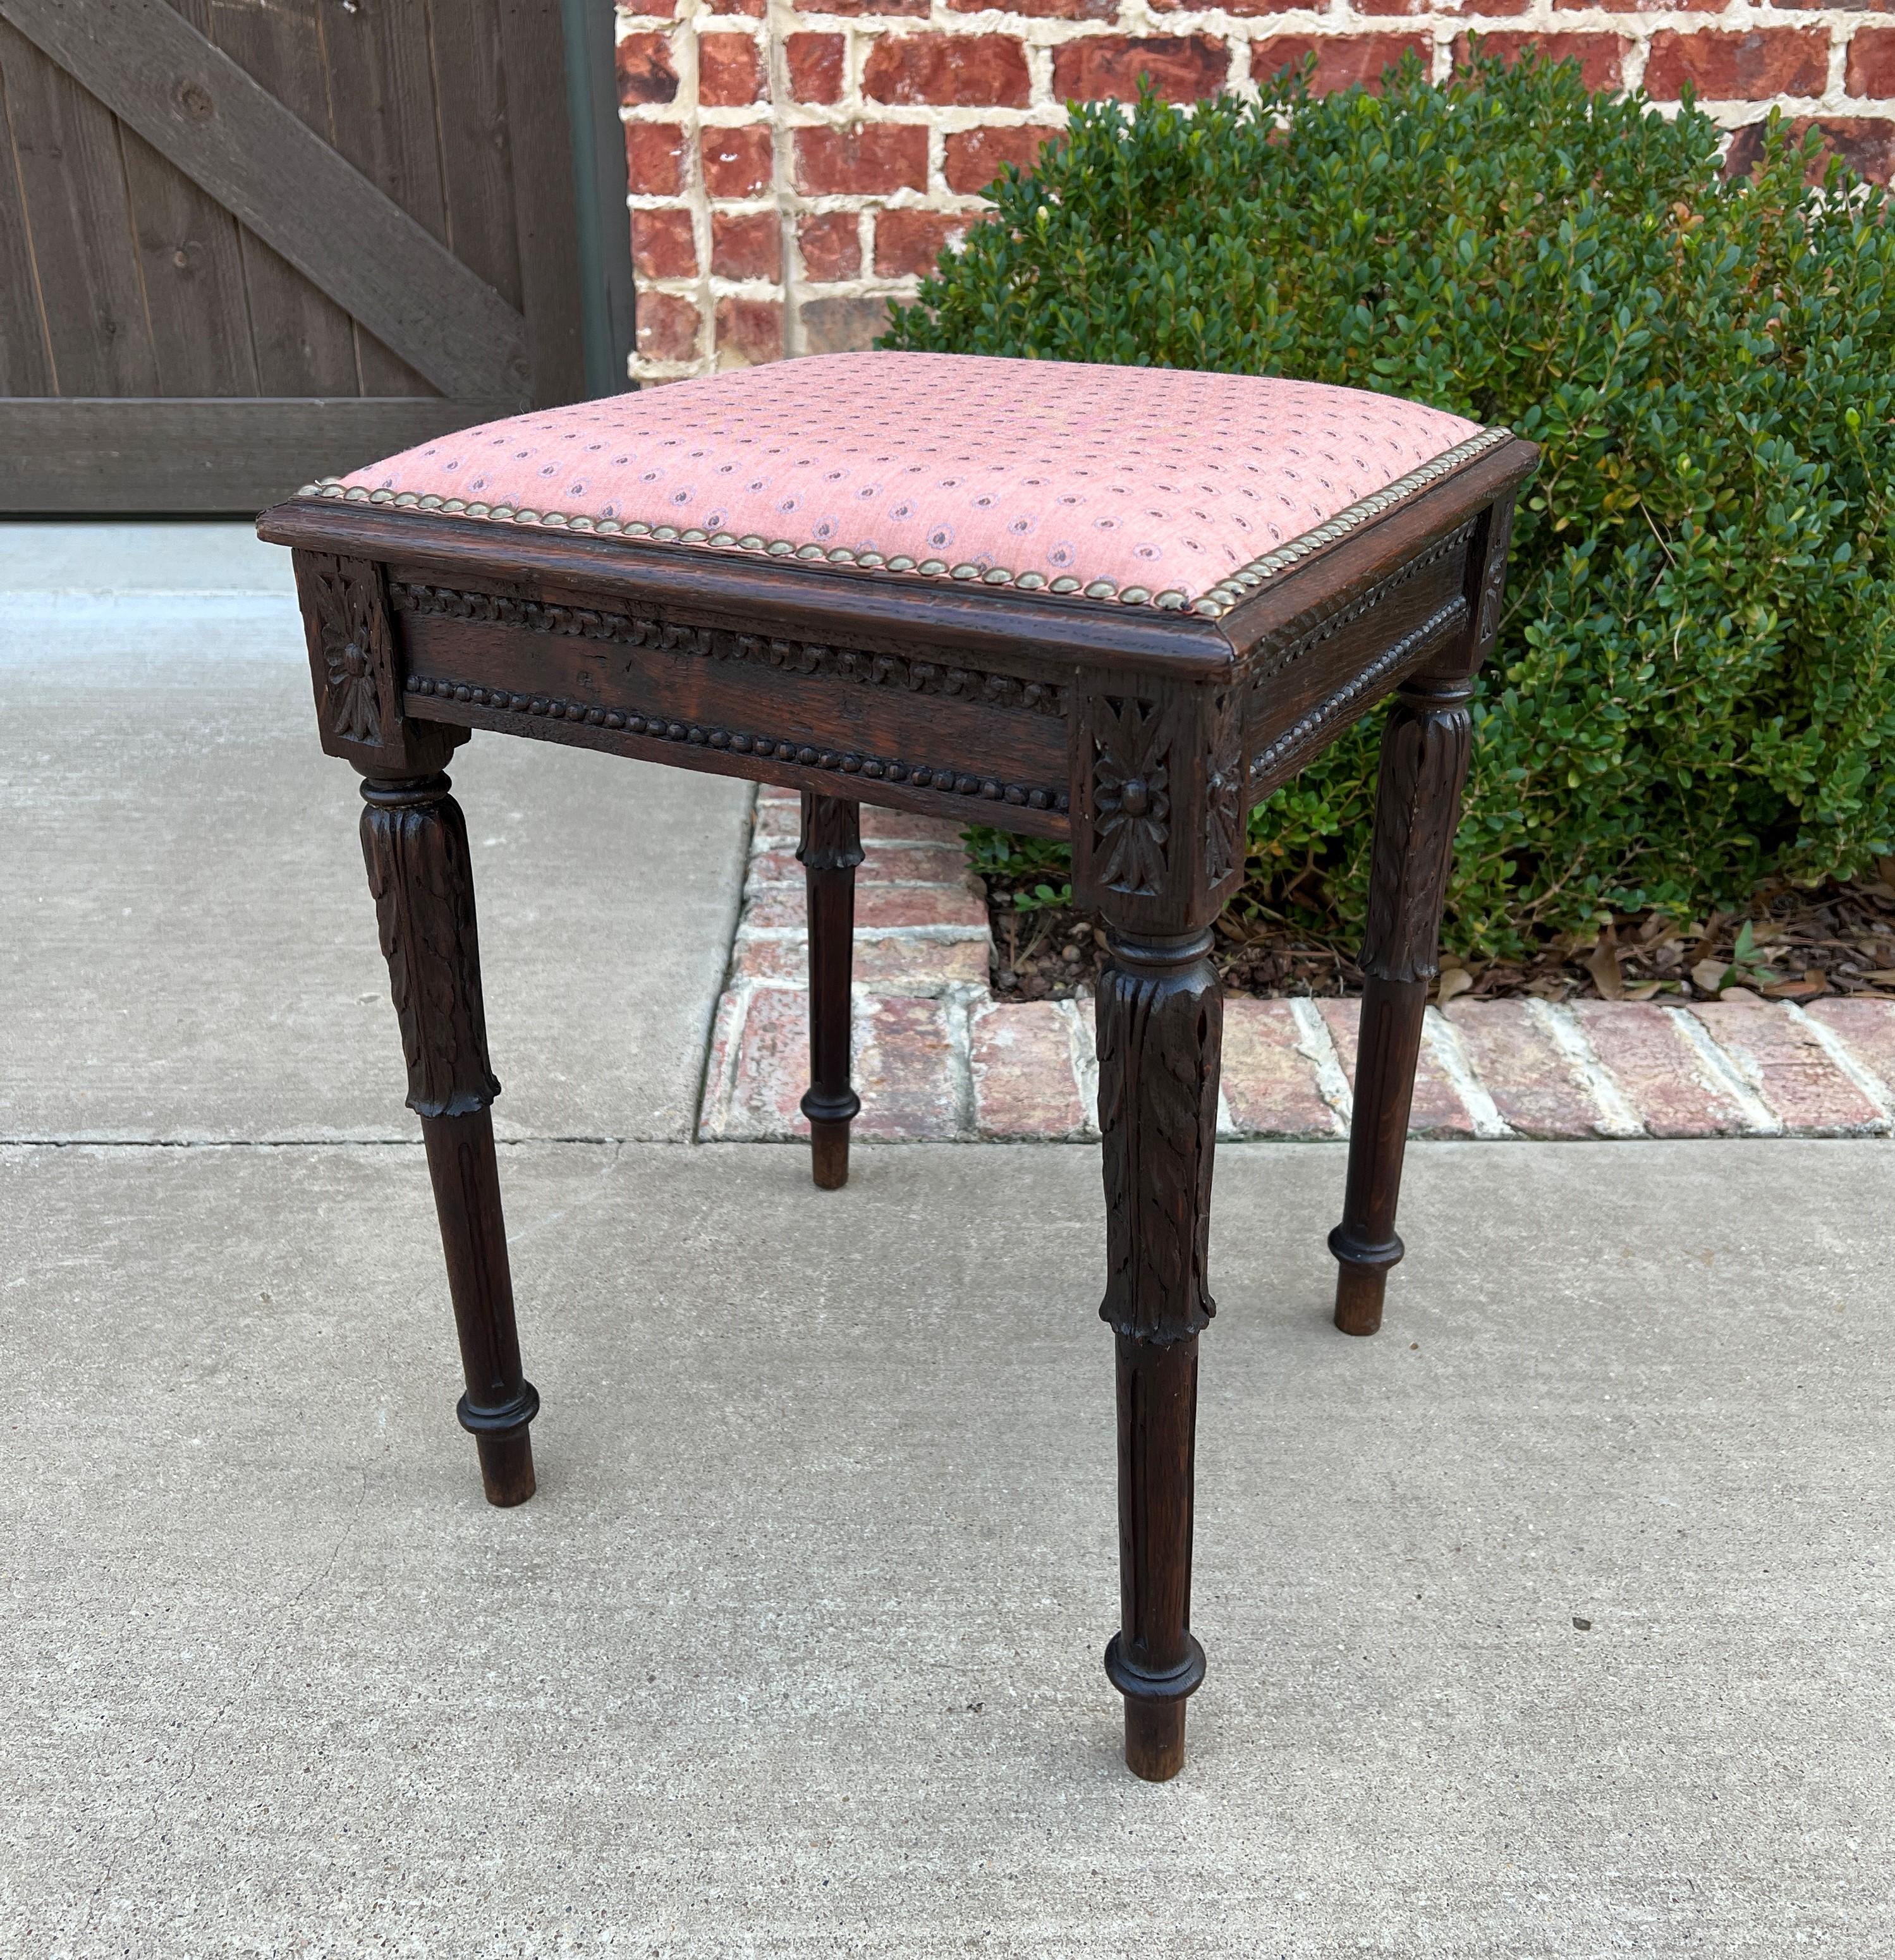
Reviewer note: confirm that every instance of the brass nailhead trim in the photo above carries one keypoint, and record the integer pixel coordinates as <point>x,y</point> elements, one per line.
<point>1213,605</point>
<point>1245,579</point>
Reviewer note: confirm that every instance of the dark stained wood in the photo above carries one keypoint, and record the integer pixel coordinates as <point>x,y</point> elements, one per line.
<point>1153,1660</point>
<point>1424,765</point>
<point>1486,582</point>
<point>1308,686</point>
<point>1161,1017</point>
<point>702,687</point>
<point>231,454</point>
<point>830,849</point>
<point>1160,1011</point>
<point>203,113</point>
<point>714,750</point>
<point>1158,808</point>
<point>1365,1244</point>
<point>1039,637</point>
<point>354,670</point>
<point>1424,752</point>
<point>1144,737</point>
<point>499,1403</point>
<point>72,176</point>
<point>415,845</point>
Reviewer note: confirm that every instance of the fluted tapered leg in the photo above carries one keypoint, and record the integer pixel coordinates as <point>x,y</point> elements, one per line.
<point>1161,1020</point>
<point>1424,764</point>
<point>415,842</point>
<point>830,850</point>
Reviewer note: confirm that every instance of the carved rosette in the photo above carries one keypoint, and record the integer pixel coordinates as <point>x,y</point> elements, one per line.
<point>1161,1024</point>
<point>1132,796</point>
<point>353,664</point>
<point>414,843</point>
<point>1424,750</point>
<point>343,598</point>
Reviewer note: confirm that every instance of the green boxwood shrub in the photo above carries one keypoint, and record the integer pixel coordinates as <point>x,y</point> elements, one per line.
<point>1694,686</point>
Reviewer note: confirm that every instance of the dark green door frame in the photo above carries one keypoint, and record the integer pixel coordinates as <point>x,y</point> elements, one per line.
<point>599,187</point>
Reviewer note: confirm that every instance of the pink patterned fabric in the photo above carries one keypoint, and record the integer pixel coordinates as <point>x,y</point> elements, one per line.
<point>1140,484</point>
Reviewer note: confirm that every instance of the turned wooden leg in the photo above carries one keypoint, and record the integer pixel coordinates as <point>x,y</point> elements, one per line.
<point>1388,1044</point>
<point>415,842</point>
<point>1424,764</point>
<point>831,848</point>
<point>500,1401</point>
<point>1161,1020</point>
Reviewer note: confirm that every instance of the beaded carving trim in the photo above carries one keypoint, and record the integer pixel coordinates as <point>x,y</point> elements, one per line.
<point>663,728</point>
<point>1213,605</point>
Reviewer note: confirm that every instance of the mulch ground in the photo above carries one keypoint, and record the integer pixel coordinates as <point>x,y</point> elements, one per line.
<point>1800,945</point>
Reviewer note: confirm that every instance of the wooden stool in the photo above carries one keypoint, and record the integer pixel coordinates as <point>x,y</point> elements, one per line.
<point>1118,605</point>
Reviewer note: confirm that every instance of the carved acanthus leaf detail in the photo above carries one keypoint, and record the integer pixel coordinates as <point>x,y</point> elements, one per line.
<point>1160,1036</point>
<point>1424,750</point>
<point>414,843</point>
<point>832,834</point>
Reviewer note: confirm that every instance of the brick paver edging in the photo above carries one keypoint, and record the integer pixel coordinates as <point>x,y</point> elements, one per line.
<point>938,1058</point>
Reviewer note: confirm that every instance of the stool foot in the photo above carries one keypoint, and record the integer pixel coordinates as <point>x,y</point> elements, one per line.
<point>506,1468</point>
<point>1155,1739</point>
<point>829,1153</point>
<point>1359,1300</point>
<point>1361,1276</point>
<point>502,1437</point>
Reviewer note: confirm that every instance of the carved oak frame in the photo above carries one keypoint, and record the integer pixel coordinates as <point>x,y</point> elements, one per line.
<point>1145,737</point>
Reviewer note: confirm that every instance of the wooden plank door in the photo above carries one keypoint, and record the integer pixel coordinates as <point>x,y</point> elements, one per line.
<point>244,242</point>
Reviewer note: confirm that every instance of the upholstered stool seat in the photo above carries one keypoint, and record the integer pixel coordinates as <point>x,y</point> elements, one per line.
<point>1114,606</point>
<point>1142,486</point>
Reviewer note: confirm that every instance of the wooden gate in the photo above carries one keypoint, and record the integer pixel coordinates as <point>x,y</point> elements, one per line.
<point>244,242</point>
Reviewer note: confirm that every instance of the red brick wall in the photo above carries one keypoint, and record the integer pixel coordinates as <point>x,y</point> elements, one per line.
<point>792,170</point>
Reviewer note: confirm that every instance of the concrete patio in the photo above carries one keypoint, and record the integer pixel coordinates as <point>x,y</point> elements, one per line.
<point>1553,1622</point>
